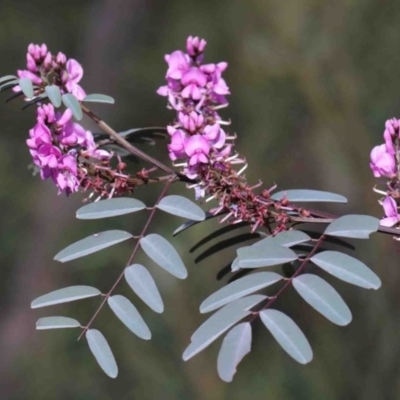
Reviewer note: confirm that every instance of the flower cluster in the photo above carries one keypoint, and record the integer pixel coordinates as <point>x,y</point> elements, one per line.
<point>43,68</point>
<point>196,91</point>
<point>385,163</point>
<point>55,144</point>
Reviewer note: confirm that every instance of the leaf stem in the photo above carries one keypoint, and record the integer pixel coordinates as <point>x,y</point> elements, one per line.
<point>289,280</point>
<point>132,256</point>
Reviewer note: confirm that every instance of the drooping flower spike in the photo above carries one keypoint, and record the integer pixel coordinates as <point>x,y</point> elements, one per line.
<point>385,159</point>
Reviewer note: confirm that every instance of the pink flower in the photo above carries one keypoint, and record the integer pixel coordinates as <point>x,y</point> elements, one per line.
<point>390,209</point>
<point>215,135</point>
<point>192,121</point>
<point>40,134</point>
<point>65,176</point>
<point>176,147</point>
<point>47,155</point>
<point>46,113</point>
<point>382,163</point>
<point>195,46</point>
<point>193,80</point>
<point>72,134</point>
<point>197,148</point>
<point>72,77</point>
<point>92,150</point>
<point>31,63</point>
<point>178,63</point>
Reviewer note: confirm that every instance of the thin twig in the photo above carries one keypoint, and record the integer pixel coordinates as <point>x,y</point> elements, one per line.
<point>123,142</point>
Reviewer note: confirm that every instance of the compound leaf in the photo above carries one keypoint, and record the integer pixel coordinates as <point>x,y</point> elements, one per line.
<point>239,288</point>
<point>182,207</point>
<point>91,244</point>
<point>102,352</point>
<point>110,208</point>
<point>163,254</point>
<point>288,335</point>
<point>129,316</point>
<point>323,297</point>
<point>347,268</point>
<point>142,283</point>
<point>70,293</point>
<point>236,344</point>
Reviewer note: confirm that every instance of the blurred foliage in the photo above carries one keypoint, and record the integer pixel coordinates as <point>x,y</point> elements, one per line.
<point>312,83</point>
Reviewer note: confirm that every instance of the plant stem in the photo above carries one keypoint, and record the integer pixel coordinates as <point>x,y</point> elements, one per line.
<point>123,142</point>
<point>132,256</point>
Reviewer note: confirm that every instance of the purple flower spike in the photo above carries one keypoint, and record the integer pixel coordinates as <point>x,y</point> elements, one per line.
<point>197,148</point>
<point>382,163</point>
<point>391,214</point>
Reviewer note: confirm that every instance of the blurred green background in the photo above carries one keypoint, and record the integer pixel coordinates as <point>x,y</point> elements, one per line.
<point>312,84</point>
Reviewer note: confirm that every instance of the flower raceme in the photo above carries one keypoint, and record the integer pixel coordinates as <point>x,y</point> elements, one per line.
<point>196,91</point>
<point>56,142</point>
<point>59,146</point>
<point>43,69</point>
<point>385,160</point>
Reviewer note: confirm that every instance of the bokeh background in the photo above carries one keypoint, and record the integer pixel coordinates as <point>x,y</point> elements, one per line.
<point>312,84</point>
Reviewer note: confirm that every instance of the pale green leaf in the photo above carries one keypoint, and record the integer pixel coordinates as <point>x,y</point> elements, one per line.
<point>236,344</point>
<point>129,315</point>
<point>347,268</point>
<point>323,297</point>
<point>300,195</point>
<point>239,288</point>
<point>54,94</point>
<point>353,226</point>
<point>266,255</point>
<point>26,86</point>
<point>70,293</point>
<point>71,102</point>
<point>6,78</point>
<point>163,254</point>
<point>102,352</point>
<point>220,322</point>
<point>91,244</point>
<point>56,323</point>
<point>285,239</point>
<point>182,207</point>
<point>288,335</point>
<point>142,283</point>
<point>98,98</point>
<point>110,208</point>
